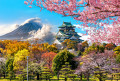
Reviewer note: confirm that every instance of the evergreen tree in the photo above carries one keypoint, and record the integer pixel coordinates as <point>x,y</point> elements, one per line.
<point>66,72</point>
<point>61,58</point>
<point>46,73</point>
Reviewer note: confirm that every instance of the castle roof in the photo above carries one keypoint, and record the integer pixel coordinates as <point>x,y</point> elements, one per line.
<point>68,24</point>
<point>67,31</point>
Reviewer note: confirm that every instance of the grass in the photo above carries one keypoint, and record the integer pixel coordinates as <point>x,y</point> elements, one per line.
<point>45,80</point>
<point>41,80</point>
<point>55,77</point>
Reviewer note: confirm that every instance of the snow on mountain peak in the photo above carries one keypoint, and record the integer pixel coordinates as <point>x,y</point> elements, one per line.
<point>32,20</point>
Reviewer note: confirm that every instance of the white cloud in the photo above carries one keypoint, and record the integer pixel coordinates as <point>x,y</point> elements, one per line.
<point>44,34</point>
<point>31,20</point>
<point>84,37</point>
<point>84,28</point>
<point>7,28</point>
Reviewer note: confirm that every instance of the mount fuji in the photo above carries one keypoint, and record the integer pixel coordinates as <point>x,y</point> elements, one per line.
<point>24,31</point>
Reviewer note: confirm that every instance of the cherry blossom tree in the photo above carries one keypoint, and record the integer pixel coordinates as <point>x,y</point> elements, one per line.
<point>109,34</point>
<point>90,12</point>
<point>83,10</point>
<point>88,63</point>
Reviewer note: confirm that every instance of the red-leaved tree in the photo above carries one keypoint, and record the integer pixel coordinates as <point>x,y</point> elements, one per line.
<point>48,57</point>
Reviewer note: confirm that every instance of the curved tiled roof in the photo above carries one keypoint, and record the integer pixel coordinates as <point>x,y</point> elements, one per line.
<point>68,24</point>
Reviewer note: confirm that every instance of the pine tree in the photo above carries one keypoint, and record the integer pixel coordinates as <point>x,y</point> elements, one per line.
<point>66,72</point>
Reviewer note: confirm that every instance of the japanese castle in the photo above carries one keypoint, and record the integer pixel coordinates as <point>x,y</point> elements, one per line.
<point>67,31</point>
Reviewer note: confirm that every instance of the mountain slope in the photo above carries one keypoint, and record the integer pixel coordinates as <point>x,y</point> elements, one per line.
<point>23,31</point>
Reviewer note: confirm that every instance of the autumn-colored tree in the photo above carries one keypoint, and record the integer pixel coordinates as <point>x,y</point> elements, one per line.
<point>69,44</point>
<point>15,46</point>
<point>81,46</point>
<point>117,54</point>
<point>48,57</point>
<point>95,47</point>
<point>117,50</point>
<point>5,42</point>
<point>20,59</point>
<point>1,52</point>
<point>1,44</point>
<point>36,53</point>
<point>52,48</point>
<point>110,46</point>
<point>85,44</point>
<point>44,46</point>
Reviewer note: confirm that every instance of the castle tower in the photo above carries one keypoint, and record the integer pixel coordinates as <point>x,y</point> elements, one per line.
<point>67,31</point>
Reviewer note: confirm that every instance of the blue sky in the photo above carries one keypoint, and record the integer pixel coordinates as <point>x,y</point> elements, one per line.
<point>16,12</point>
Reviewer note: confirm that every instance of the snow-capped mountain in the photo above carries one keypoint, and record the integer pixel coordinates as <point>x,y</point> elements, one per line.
<point>25,30</point>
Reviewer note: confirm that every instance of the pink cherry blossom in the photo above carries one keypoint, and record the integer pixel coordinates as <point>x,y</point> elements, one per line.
<point>88,11</point>
<point>104,61</point>
<point>82,10</point>
<point>30,6</point>
<point>25,2</point>
<point>110,34</point>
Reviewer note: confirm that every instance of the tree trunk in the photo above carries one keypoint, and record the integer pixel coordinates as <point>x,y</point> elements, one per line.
<point>49,79</point>
<point>65,79</point>
<point>37,76</point>
<point>81,77</point>
<point>58,75</point>
<point>23,78</point>
<point>4,74</point>
<point>100,79</point>
<point>88,77</point>
<point>46,78</point>
<point>73,79</point>
<point>40,77</point>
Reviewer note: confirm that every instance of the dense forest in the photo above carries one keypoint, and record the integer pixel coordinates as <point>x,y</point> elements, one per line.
<point>97,61</point>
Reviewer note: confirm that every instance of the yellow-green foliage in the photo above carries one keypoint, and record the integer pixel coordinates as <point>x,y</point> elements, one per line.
<point>94,48</point>
<point>20,59</point>
<point>52,48</point>
<point>46,47</point>
<point>69,44</point>
<point>85,44</point>
<point>61,58</point>
<point>1,49</point>
<point>117,50</point>
<point>15,46</point>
